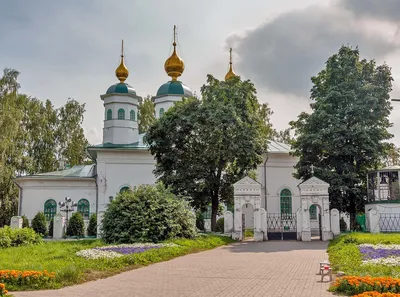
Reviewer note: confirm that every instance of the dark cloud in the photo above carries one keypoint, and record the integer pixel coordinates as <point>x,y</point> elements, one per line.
<point>283,54</point>
<point>388,10</point>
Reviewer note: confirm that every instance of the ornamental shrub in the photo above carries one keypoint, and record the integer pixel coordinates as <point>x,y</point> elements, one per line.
<point>51,227</point>
<point>76,226</point>
<point>147,214</point>
<point>199,220</point>
<point>220,225</point>
<point>39,224</point>
<point>17,237</point>
<point>343,225</point>
<point>25,222</point>
<point>92,228</point>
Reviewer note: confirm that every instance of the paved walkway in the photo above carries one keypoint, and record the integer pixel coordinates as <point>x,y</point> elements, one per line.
<point>273,268</point>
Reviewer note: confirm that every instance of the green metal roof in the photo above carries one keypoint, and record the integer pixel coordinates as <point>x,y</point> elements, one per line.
<point>135,145</point>
<point>174,88</point>
<point>78,171</point>
<point>121,88</point>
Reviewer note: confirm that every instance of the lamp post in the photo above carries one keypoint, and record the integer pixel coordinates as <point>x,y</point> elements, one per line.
<point>67,206</point>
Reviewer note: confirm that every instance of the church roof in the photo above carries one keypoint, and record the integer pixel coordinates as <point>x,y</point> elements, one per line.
<point>278,147</point>
<point>174,88</point>
<point>77,171</point>
<point>121,88</point>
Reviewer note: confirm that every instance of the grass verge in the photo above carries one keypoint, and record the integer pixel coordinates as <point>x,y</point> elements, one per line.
<point>59,257</point>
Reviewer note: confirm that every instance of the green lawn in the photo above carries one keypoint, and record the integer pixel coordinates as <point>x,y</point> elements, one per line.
<point>59,257</point>
<point>345,256</point>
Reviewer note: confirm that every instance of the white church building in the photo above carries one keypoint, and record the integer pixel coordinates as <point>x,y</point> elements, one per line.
<point>122,161</point>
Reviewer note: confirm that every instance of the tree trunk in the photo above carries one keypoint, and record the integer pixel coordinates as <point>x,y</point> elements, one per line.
<point>214,210</point>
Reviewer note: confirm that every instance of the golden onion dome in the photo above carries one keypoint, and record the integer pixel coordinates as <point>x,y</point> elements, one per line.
<point>230,73</point>
<point>122,71</point>
<point>174,65</point>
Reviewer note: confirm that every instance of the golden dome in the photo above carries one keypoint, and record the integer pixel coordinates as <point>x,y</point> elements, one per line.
<point>174,65</point>
<point>230,73</point>
<point>122,72</point>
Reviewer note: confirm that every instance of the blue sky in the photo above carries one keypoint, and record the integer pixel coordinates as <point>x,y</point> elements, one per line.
<point>71,48</point>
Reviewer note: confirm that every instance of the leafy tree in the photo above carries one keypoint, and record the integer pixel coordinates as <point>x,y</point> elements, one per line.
<point>39,224</point>
<point>146,114</point>
<point>204,146</point>
<point>76,225</point>
<point>282,136</point>
<point>92,228</point>
<point>149,213</point>
<point>346,134</point>
<point>25,222</point>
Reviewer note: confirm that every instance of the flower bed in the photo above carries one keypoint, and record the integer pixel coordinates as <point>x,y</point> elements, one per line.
<point>115,251</point>
<point>352,285</point>
<point>380,254</point>
<point>25,278</point>
<point>3,291</point>
<point>377,294</point>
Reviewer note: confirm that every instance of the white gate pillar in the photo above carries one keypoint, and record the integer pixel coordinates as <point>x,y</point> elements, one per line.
<point>335,222</point>
<point>228,222</point>
<point>264,223</point>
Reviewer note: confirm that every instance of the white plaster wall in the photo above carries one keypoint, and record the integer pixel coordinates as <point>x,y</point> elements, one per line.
<point>37,192</point>
<point>165,102</point>
<point>279,176</point>
<point>249,216</point>
<point>386,208</point>
<point>117,169</point>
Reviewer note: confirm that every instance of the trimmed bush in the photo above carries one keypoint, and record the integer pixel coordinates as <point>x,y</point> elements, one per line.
<point>220,225</point>
<point>25,222</point>
<point>17,237</point>
<point>39,224</point>
<point>76,226</point>
<point>149,213</point>
<point>199,220</point>
<point>92,228</point>
<point>51,227</point>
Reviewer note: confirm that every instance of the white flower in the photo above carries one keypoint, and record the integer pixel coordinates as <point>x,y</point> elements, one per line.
<point>390,261</point>
<point>97,254</point>
<point>382,246</point>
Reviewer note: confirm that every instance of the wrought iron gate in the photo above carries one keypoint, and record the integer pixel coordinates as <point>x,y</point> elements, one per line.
<point>281,226</point>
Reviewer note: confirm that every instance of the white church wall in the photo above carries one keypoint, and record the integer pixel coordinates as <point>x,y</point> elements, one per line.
<point>165,102</point>
<point>37,191</point>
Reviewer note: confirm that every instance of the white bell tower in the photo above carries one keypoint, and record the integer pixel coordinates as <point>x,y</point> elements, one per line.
<point>121,106</point>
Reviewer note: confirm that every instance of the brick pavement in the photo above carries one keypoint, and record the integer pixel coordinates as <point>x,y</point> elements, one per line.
<point>274,268</point>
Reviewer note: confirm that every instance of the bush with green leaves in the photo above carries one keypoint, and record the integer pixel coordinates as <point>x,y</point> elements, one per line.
<point>147,214</point>
<point>220,225</point>
<point>76,225</point>
<point>200,220</point>
<point>17,237</point>
<point>92,228</point>
<point>25,222</point>
<point>51,227</point>
<point>39,224</point>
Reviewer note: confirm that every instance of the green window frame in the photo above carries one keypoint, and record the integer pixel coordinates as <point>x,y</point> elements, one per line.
<point>121,114</point>
<point>286,202</point>
<point>125,189</point>
<point>132,115</point>
<point>50,209</point>
<point>313,212</point>
<point>161,112</point>
<point>109,115</point>
<point>84,208</point>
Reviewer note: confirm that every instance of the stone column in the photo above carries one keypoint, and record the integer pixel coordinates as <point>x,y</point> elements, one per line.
<point>100,215</point>
<point>58,226</point>
<point>228,222</point>
<point>237,225</point>
<point>305,220</point>
<point>326,222</point>
<point>207,225</point>
<point>264,227</point>
<point>16,222</point>
<point>373,216</point>
<point>299,224</point>
<point>258,234</point>
<point>335,222</point>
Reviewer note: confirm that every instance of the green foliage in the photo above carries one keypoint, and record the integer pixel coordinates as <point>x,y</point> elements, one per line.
<point>18,237</point>
<point>200,220</point>
<point>146,114</point>
<point>92,227</point>
<point>248,233</point>
<point>223,137</point>
<point>343,225</point>
<point>347,133</point>
<point>345,256</point>
<point>147,214</point>
<point>51,227</point>
<point>39,224</point>
<point>76,225</point>
<point>25,222</point>
<point>283,136</point>
<point>59,257</point>
<point>220,225</point>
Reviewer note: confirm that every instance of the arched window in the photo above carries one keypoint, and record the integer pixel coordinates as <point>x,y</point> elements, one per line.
<point>84,208</point>
<point>286,202</point>
<point>313,212</point>
<point>125,189</point>
<point>121,114</point>
<point>109,115</point>
<point>50,209</point>
<point>133,118</point>
<point>161,112</point>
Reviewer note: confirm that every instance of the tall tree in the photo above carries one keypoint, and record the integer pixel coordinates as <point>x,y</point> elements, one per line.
<point>204,146</point>
<point>283,136</point>
<point>346,134</point>
<point>146,115</point>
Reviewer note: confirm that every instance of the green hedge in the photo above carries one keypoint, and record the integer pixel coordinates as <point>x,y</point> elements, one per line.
<point>17,237</point>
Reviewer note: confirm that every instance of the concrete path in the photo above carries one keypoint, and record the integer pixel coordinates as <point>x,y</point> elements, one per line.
<point>274,268</point>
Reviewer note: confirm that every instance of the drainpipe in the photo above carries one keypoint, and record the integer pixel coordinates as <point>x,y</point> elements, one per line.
<point>265,183</point>
<point>20,198</point>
